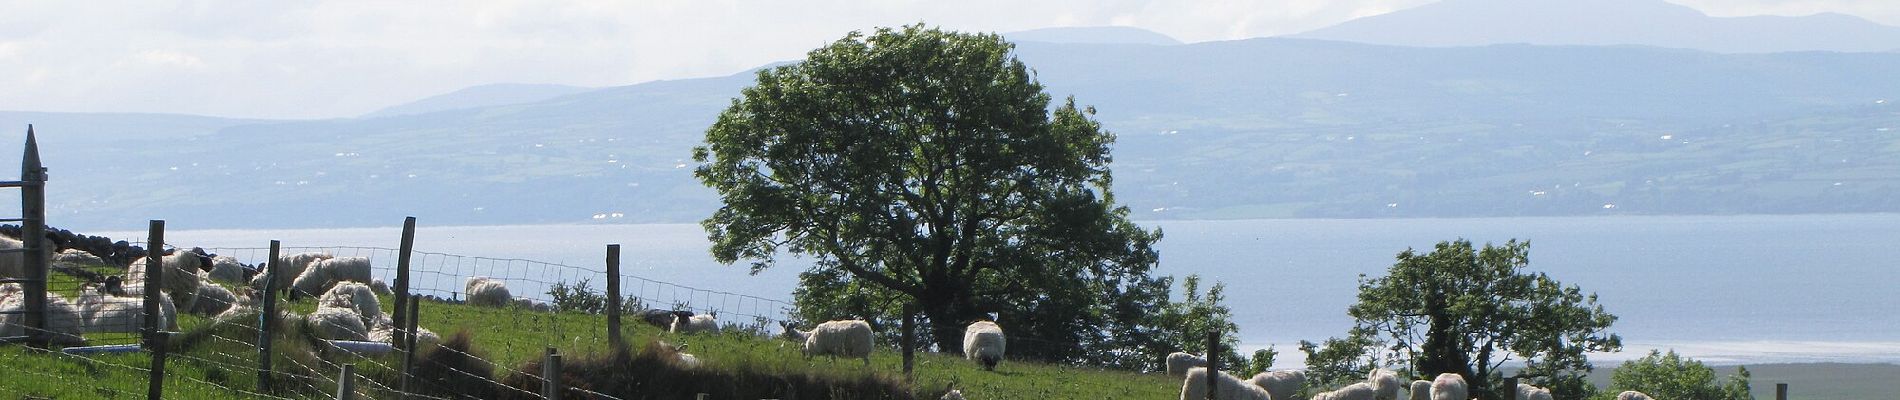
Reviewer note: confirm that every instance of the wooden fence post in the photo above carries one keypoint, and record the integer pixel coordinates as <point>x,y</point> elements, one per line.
<point>1510,389</point>
<point>613,297</point>
<point>402,279</point>
<point>1781,391</point>
<point>266,319</point>
<point>154,335</point>
<point>910,338</point>
<point>409,343</point>
<point>551,375</point>
<point>32,229</point>
<point>346,384</point>
<point>1213,361</point>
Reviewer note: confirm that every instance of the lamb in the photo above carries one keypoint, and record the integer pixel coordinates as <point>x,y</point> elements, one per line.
<point>1632,395</point>
<point>983,341</point>
<point>321,275</point>
<point>106,313</point>
<point>1528,392</point>
<point>847,338</point>
<point>64,323</point>
<point>1385,383</point>
<point>1282,384</point>
<point>180,276</point>
<point>1178,363</point>
<point>1356,391</point>
<point>287,270</point>
<point>486,292</point>
<point>1450,386</point>
<point>1230,387</point>
<point>1421,390</point>
<point>696,324</point>
<point>227,269</point>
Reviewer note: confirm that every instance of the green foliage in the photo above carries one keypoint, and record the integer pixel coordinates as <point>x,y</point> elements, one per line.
<point>919,166</point>
<point>1339,361</point>
<point>1671,376</point>
<point>577,298</point>
<point>1185,323</point>
<point>1465,310</point>
<point>1261,361</point>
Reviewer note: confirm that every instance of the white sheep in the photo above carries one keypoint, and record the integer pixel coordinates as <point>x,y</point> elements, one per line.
<point>983,341</point>
<point>681,358</point>
<point>106,313</point>
<point>338,323</point>
<point>1282,384</point>
<point>226,269</point>
<point>1178,363</point>
<point>1421,390</point>
<point>77,257</point>
<point>213,300</point>
<point>13,263</point>
<point>64,323</point>
<point>287,270</point>
<point>841,338</point>
<point>1632,395</point>
<point>354,296</point>
<point>1229,388</point>
<point>180,280</point>
<point>382,329</point>
<point>1528,392</point>
<point>321,275</point>
<point>1385,383</point>
<point>381,288</point>
<point>1356,391</point>
<point>486,292</point>
<point>701,323</point>
<point>1450,386</point>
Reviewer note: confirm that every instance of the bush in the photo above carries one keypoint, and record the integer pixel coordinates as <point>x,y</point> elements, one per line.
<point>1671,376</point>
<point>577,298</point>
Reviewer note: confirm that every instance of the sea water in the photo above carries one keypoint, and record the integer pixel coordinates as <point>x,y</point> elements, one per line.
<point>1724,289</point>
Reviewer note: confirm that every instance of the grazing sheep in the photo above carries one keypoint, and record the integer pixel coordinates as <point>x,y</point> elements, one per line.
<point>486,292</point>
<point>321,275</point>
<point>1528,392</point>
<point>846,338</point>
<point>227,270</point>
<point>64,323</point>
<point>338,323</point>
<point>1632,395</point>
<point>1282,384</point>
<point>288,269</point>
<point>106,313</point>
<point>180,276</point>
<point>213,300</point>
<point>663,318</point>
<point>1385,383</point>
<point>1421,390</point>
<point>1229,388</point>
<point>1450,386</point>
<point>983,341</point>
<point>1356,391</point>
<point>696,324</point>
<point>1178,363</point>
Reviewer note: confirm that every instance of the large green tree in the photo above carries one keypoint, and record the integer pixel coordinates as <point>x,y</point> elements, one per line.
<point>1467,310</point>
<point>916,165</point>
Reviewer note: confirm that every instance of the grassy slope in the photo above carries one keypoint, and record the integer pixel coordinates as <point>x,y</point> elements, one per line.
<point>219,367</point>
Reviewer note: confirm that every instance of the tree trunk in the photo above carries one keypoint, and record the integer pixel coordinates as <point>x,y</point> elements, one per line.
<point>946,320</point>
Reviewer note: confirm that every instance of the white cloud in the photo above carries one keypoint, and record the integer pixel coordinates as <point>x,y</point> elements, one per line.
<point>343,58</point>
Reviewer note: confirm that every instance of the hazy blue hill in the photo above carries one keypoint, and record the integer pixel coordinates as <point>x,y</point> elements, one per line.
<point>1093,35</point>
<point>480,96</point>
<point>1609,22</point>
<point>1236,129</point>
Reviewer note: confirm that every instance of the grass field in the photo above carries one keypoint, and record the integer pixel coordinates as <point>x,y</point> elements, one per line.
<point>216,360</point>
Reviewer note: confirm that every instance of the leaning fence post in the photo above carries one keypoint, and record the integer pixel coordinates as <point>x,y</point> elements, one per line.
<point>1510,389</point>
<point>551,375</point>
<point>409,344</point>
<point>266,319</point>
<point>154,337</point>
<point>402,277</point>
<point>1781,391</point>
<point>32,230</point>
<point>613,297</point>
<point>346,384</point>
<point>1213,361</point>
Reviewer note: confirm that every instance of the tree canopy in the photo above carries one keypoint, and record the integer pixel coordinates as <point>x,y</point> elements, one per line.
<point>1466,310</point>
<point>915,165</point>
<point>1671,376</point>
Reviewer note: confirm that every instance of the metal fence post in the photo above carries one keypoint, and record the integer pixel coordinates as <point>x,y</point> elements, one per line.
<point>346,384</point>
<point>266,318</point>
<point>32,235</point>
<point>1213,362</point>
<point>154,336</point>
<point>613,297</point>
<point>551,375</point>
<point>402,278</point>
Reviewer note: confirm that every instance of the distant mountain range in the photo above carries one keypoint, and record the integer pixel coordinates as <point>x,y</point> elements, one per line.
<point>480,96</point>
<point>1235,129</point>
<point>1609,22</point>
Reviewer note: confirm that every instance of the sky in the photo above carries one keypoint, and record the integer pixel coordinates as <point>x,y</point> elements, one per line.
<point>333,59</point>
